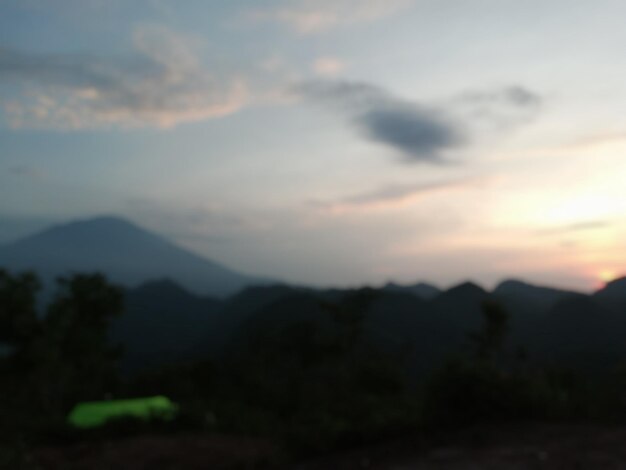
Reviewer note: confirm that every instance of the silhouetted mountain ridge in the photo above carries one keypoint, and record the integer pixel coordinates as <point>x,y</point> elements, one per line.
<point>517,287</point>
<point>421,289</point>
<point>163,323</point>
<point>172,309</point>
<point>614,290</point>
<point>166,322</point>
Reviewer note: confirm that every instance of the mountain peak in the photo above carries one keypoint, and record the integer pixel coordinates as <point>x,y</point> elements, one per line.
<point>104,219</point>
<point>466,291</point>
<point>512,283</point>
<point>104,223</point>
<point>125,252</point>
<point>516,286</point>
<point>467,287</point>
<point>421,289</point>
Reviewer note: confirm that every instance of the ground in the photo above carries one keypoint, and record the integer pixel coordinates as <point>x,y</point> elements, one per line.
<point>536,447</point>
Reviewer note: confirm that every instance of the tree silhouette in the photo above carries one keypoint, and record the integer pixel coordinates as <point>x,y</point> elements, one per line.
<point>18,316</point>
<point>80,359</point>
<point>56,359</point>
<point>489,341</point>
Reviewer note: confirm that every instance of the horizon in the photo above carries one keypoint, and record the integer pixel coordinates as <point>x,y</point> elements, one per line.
<point>327,143</point>
<point>65,225</point>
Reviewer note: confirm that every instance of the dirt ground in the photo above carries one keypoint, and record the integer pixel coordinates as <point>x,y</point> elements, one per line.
<point>528,447</point>
<point>536,447</point>
<point>161,453</point>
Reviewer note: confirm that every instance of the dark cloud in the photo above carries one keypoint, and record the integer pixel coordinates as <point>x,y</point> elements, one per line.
<point>419,133</point>
<point>161,83</point>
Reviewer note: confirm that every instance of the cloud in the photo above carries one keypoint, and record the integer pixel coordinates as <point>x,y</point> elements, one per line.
<point>574,228</point>
<point>414,132</point>
<point>316,16</point>
<point>391,196</point>
<point>420,133</point>
<point>503,107</point>
<point>327,66</point>
<point>513,95</point>
<point>25,171</point>
<point>162,84</point>
<point>198,221</point>
<point>614,142</point>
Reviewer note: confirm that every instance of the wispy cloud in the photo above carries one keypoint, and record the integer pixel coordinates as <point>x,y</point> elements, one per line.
<point>513,95</point>
<point>197,221</point>
<point>328,66</point>
<point>502,107</point>
<point>391,196</point>
<point>592,144</point>
<point>420,133</point>
<point>574,228</point>
<point>316,16</point>
<point>162,84</point>
<point>26,171</point>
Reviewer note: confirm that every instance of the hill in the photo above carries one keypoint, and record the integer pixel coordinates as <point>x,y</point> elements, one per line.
<point>163,323</point>
<point>421,289</point>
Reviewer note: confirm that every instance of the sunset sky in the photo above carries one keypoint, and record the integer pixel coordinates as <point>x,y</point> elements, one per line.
<point>327,142</point>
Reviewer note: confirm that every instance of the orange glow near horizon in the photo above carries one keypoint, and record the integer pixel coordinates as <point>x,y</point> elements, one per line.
<point>605,276</point>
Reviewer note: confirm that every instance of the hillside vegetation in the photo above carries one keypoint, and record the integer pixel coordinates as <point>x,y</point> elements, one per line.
<point>311,370</point>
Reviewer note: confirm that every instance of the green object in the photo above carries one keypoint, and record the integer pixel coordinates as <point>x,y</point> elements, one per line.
<point>96,413</point>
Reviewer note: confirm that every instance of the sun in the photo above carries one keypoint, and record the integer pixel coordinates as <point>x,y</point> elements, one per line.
<point>606,276</point>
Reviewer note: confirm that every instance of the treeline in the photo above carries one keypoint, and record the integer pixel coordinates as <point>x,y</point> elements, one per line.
<point>309,372</point>
<point>54,359</point>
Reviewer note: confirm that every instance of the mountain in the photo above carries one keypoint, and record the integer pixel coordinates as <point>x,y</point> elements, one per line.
<point>163,323</point>
<point>461,305</point>
<point>244,305</point>
<point>459,312</point>
<point>421,289</point>
<point>527,306</point>
<point>126,253</point>
<point>614,291</point>
<point>408,327</point>
<point>540,297</point>
<point>580,333</point>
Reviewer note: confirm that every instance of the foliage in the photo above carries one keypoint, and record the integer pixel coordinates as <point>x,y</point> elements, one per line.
<point>56,359</point>
<point>310,378</point>
<point>489,341</point>
<point>485,386</point>
<point>18,315</point>
<point>322,380</point>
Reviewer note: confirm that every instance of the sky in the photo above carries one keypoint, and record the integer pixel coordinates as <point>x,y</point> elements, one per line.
<point>327,142</point>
